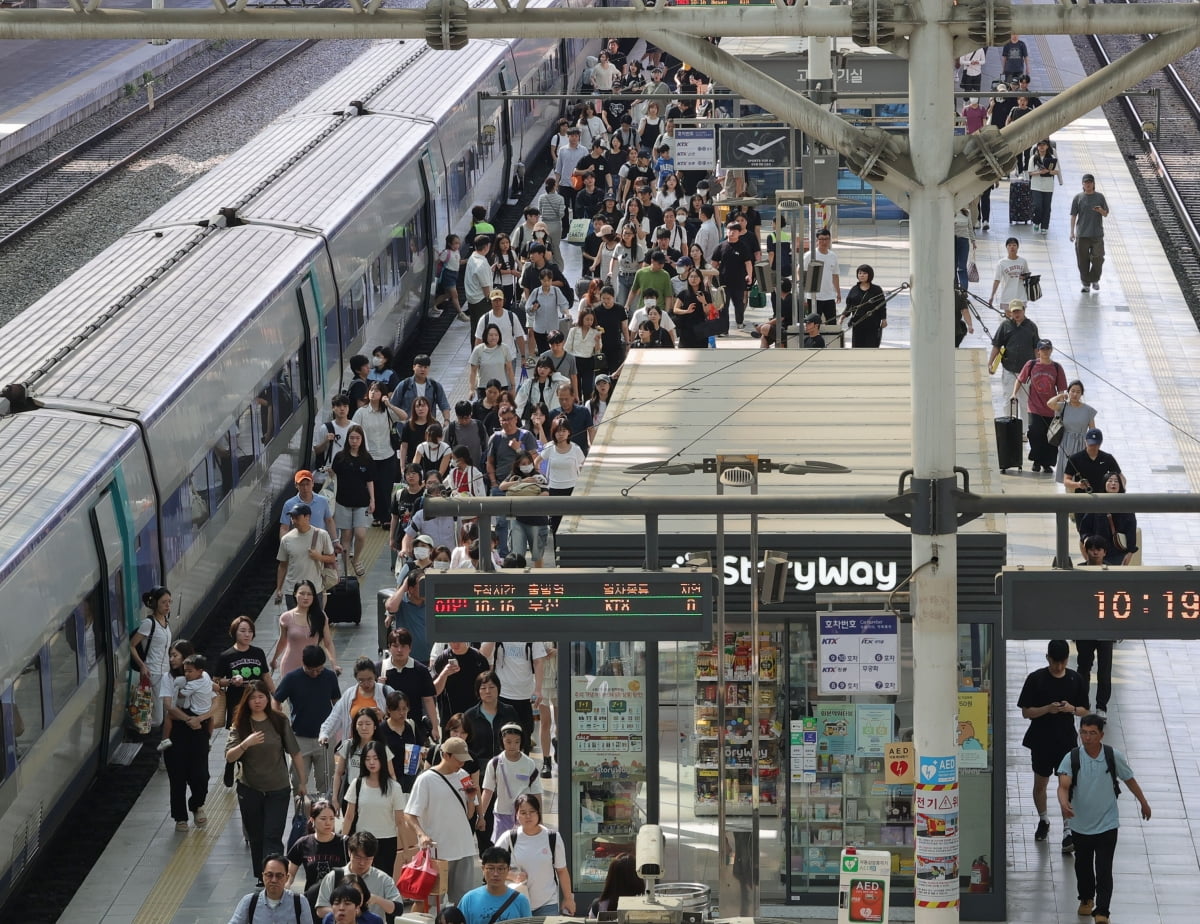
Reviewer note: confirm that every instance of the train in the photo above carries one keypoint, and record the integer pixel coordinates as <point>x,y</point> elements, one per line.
<point>157,403</point>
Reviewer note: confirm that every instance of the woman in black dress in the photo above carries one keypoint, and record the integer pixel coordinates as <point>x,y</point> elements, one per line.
<point>866,308</point>
<point>688,311</point>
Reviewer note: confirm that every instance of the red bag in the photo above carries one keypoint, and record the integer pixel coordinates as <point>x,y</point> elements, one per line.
<point>418,877</point>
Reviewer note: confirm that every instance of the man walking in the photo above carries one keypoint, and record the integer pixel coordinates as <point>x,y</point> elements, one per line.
<point>1051,699</point>
<point>1088,211</point>
<point>438,811</point>
<point>1015,342</point>
<point>477,281</point>
<point>313,690</point>
<point>274,904</point>
<point>1087,794</point>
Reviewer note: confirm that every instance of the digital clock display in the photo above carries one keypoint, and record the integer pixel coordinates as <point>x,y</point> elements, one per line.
<point>570,604</point>
<point>1101,603</point>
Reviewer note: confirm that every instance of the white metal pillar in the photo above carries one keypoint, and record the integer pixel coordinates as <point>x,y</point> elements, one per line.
<point>934,556</point>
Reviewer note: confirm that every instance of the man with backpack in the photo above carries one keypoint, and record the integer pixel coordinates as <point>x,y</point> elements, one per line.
<point>274,904</point>
<point>1087,793</point>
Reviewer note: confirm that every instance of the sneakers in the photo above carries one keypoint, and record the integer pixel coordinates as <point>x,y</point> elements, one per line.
<point>1103,713</point>
<point>181,827</point>
<point>1085,287</point>
<point>547,769</point>
<point>435,313</point>
<point>1095,287</point>
<point>463,316</point>
<point>1101,918</point>
<point>164,744</point>
<point>986,225</point>
<point>1068,843</point>
<point>1085,907</point>
<point>1037,229</point>
<point>1043,830</point>
<point>201,817</point>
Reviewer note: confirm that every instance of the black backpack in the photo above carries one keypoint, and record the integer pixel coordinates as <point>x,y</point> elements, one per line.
<point>254,904</point>
<point>1110,761</point>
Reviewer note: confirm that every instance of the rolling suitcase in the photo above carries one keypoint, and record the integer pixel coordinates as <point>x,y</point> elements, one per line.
<point>344,603</point>
<point>1008,439</point>
<point>1020,202</point>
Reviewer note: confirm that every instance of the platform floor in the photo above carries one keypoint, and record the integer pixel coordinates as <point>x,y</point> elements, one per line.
<point>1133,344</point>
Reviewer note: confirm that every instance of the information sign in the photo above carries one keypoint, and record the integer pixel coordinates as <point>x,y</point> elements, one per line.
<point>695,148</point>
<point>859,654</point>
<point>567,604</point>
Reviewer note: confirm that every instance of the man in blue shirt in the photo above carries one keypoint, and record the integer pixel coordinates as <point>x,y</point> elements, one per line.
<point>494,901</point>
<point>312,690</point>
<point>1089,800</point>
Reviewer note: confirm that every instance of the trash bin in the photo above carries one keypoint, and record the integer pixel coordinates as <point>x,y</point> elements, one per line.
<point>686,896</point>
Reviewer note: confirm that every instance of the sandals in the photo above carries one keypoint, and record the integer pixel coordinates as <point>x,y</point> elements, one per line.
<point>359,569</point>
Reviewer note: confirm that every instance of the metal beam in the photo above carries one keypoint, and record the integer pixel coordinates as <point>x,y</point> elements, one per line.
<point>80,22</point>
<point>807,505</point>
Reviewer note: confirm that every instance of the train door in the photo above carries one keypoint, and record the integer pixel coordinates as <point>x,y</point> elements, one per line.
<point>312,382</point>
<point>437,213</point>
<point>508,83</point>
<point>112,529</point>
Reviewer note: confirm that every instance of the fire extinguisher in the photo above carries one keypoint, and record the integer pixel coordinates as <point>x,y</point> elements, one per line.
<point>981,876</point>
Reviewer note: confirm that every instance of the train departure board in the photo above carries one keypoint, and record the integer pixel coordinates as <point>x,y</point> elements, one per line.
<point>569,604</point>
<point>1101,603</point>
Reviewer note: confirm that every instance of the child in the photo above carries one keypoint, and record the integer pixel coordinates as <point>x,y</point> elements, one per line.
<point>447,280</point>
<point>664,163</point>
<point>193,694</point>
<point>509,774</point>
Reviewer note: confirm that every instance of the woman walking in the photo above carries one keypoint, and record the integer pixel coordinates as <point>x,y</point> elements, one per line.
<point>260,741</point>
<point>866,307</point>
<point>1077,419</point>
<point>153,661</point>
<point>1046,379</point>
<point>375,802</point>
<point>304,624</point>
<point>355,470</point>
<point>378,420</point>
<point>186,759</point>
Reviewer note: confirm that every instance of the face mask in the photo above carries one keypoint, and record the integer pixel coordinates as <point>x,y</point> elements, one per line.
<point>376,362</point>
<point>441,566</point>
<point>420,553</point>
<point>526,469</point>
<point>651,303</point>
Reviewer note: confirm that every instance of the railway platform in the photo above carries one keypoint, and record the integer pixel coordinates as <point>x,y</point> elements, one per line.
<point>1133,344</point>
<point>48,86</point>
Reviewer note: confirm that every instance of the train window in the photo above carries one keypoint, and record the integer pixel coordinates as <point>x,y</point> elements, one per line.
<point>358,302</point>
<point>28,720</point>
<point>332,347</point>
<point>246,444</point>
<point>222,469</point>
<point>90,628</point>
<point>380,282</point>
<point>64,667</point>
<point>198,500</point>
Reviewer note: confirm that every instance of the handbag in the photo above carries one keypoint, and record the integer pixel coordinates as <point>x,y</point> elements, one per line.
<point>419,876</point>
<point>972,271</point>
<point>718,297</point>
<point>756,298</point>
<point>1054,433</point>
<point>141,707</point>
<point>329,489</point>
<point>578,231</point>
<point>329,574</point>
<point>1118,537</point>
<point>576,183</point>
<point>1033,286</point>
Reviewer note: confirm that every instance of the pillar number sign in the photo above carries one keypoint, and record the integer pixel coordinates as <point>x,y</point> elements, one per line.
<point>859,654</point>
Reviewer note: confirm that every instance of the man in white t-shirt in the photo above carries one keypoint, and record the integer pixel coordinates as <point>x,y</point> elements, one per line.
<point>438,809</point>
<point>512,331</point>
<point>1009,271</point>
<point>828,296</point>
<point>302,555</point>
<point>520,667</point>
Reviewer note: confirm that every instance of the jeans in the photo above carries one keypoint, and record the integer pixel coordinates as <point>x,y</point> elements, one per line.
<point>1089,257</point>
<point>1041,208</point>
<point>316,764</point>
<point>187,767</point>
<point>549,908</point>
<point>264,815</point>
<point>962,253</point>
<point>500,524</point>
<point>530,541</point>
<point>1089,651</point>
<point>1093,867</point>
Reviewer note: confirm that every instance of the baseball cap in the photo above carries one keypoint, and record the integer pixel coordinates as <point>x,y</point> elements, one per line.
<point>683,261</point>
<point>303,510</point>
<point>610,197</point>
<point>1044,345</point>
<point>302,475</point>
<point>495,293</point>
<point>1058,650</point>
<point>813,318</point>
<point>604,377</point>
<point>644,153</point>
<point>1087,178</point>
<point>1001,87</point>
<point>513,728</point>
<point>1093,437</point>
<point>1016,305</point>
<point>425,539</point>
<point>456,747</point>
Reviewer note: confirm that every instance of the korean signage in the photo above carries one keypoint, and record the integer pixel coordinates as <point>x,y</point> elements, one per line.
<point>859,654</point>
<point>935,802</point>
<point>609,728</point>
<point>695,148</point>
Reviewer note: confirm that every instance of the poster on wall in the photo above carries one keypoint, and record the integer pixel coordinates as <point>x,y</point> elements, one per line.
<point>608,725</point>
<point>875,724</point>
<point>973,730</point>
<point>835,729</point>
<point>859,654</point>
<point>803,750</point>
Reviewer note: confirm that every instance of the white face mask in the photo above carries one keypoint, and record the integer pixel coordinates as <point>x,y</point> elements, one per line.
<point>441,566</point>
<point>420,553</point>
<point>376,361</point>
<point>651,303</point>
<point>526,469</point>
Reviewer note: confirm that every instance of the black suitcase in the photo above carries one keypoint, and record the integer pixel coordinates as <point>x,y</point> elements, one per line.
<point>1020,202</point>
<point>344,603</point>
<point>1008,439</point>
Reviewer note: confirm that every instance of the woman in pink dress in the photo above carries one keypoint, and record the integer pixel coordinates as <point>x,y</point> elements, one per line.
<point>304,625</point>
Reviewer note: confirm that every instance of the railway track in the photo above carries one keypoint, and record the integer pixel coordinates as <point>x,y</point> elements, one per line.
<point>46,190</point>
<point>1164,160</point>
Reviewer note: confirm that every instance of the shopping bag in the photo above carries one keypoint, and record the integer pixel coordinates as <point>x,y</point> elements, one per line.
<point>578,231</point>
<point>419,876</point>
<point>141,707</point>
<point>299,820</point>
<point>412,759</point>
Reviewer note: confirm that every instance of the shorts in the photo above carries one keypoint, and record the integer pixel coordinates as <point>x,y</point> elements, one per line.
<point>351,517</point>
<point>1045,761</point>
